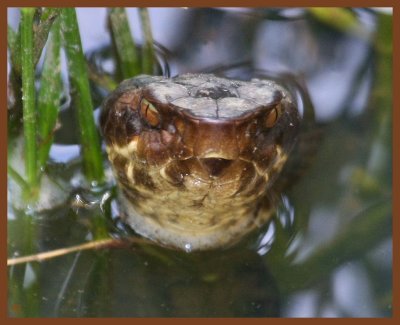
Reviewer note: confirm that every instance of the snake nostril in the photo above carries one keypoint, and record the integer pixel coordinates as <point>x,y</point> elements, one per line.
<point>215,166</point>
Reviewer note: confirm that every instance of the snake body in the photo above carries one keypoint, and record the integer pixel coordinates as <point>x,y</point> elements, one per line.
<point>195,155</point>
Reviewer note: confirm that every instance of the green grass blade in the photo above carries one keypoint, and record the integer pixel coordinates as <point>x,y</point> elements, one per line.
<point>42,29</point>
<point>17,178</point>
<point>339,18</point>
<point>101,79</point>
<point>79,83</point>
<point>42,21</point>
<point>11,38</point>
<point>126,50</point>
<point>49,94</point>
<point>14,45</point>
<point>15,83</point>
<point>148,57</point>
<point>28,99</point>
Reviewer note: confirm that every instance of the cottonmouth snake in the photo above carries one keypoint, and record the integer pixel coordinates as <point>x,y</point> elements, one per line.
<point>195,155</point>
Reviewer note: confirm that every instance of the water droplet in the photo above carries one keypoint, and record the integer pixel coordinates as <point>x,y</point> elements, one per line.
<point>188,248</point>
<point>30,209</point>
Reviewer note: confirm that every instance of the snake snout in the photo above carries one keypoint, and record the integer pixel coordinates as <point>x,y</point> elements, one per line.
<point>215,166</point>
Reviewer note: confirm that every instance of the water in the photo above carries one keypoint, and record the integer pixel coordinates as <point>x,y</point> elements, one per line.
<point>327,252</point>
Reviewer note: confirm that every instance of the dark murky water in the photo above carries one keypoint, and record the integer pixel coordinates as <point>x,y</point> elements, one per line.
<point>328,251</point>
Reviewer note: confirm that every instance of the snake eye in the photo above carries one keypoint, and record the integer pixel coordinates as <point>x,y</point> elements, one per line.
<point>272,117</point>
<point>149,113</point>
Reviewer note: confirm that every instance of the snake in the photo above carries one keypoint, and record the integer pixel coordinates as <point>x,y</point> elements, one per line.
<point>194,156</point>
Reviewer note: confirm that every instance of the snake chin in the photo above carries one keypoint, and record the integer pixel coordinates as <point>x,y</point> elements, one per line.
<point>194,232</point>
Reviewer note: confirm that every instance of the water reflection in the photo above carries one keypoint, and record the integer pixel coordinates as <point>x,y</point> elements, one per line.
<point>147,282</point>
<point>235,284</point>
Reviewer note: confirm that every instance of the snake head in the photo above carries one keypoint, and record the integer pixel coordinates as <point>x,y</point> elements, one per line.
<point>197,152</point>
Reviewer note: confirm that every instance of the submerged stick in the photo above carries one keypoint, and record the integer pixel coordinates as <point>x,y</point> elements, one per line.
<point>96,244</point>
<point>58,252</point>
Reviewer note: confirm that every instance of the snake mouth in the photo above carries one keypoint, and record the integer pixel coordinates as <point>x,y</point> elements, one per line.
<point>215,166</point>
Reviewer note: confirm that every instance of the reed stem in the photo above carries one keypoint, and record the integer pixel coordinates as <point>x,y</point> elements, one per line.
<point>49,94</point>
<point>80,92</point>
<point>28,96</point>
<point>127,53</point>
<point>148,57</point>
<point>42,30</point>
